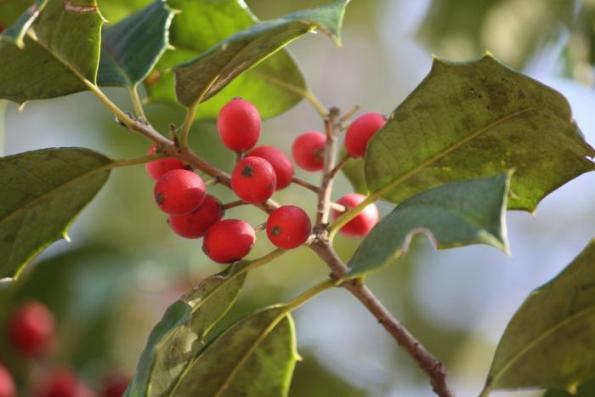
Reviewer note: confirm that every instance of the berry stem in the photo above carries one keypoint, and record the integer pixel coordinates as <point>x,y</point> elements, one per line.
<point>232,204</point>
<point>340,165</point>
<point>306,184</point>
<point>349,114</point>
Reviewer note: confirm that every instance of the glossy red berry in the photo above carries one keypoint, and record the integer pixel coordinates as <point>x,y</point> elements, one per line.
<point>229,240</point>
<point>361,131</point>
<point>157,168</point>
<point>364,221</point>
<point>179,192</point>
<point>31,329</point>
<point>253,179</point>
<point>308,150</point>
<point>60,383</point>
<point>280,162</point>
<point>196,223</point>
<point>7,387</point>
<point>239,125</point>
<point>115,386</point>
<point>288,227</point>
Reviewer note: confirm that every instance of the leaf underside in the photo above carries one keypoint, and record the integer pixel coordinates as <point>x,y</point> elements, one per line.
<point>456,214</point>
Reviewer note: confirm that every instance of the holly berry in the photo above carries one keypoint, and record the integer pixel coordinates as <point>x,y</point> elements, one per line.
<point>31,329</point>
<point>253,179</point>
<point>60,383</point>
<point>308,150</point>
<point>179,192</point>
<point>281,164</point>
<point>239,125</point>
<point>7,387</point>
<point>157,168</point>
<point>229,240</point>
<point>364,221</point>
<point>288,227</point>
<point>196,223</point>
<point>361,131</point>
<point>115,386</point>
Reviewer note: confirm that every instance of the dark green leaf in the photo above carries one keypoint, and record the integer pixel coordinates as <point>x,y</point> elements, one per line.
<point>200,25</point>
<point>513,30</point>
<point>475,119</point>
<point>181,334</point>
<point>131,48</point>
<point>203,77</point>
<point>56,61</point>
<point>549,341</point>
<point>452,215</point>
<point>11,10</point>
<point>43,191</point>
<point>586,389</point>
<point>16,33</point>
<point>254,357</point>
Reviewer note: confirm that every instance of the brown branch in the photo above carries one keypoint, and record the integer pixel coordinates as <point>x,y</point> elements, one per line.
<point>425,360</point>
<point>340,165</point>
<point>326,186</point>
<point>303,183</point>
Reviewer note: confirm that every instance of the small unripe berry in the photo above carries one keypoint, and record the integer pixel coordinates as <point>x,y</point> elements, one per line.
<point>229,240</point>
<point>361,131</point>
<point>179,192</point>
<point>288,227</point>
<point>196,223</point>
<point>239,125</point>
<point>60,383</point>
<point>31,329</point>
<point>115,386</point>
<point>280,162</point>
<point>253,179</point>
<point>157,168</point>
<point>7,387</point>
<point>308,150</point>
<point>364,221</point>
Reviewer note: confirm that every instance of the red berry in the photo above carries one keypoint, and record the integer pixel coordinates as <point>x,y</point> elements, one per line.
<point>61,383</point>
<point>157,168</point>
<point>281,164</point>
<point>363,222</point>
<point>196,223</point>
<point>253,179</point>
<point>179,192</point>
<point>308,150</point>
<point>115,386</point>
<point>239,125</point>
<point>7,387</point>
<point>361,131</point>
<point>228,240</point>
<point>288,227</point>
<point>31,329</point>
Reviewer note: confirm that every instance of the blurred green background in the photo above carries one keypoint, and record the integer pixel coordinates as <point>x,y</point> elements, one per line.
<point>111,284</point>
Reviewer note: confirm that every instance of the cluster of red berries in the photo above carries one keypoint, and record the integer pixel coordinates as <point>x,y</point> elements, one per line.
<point>258,173</point>
<point>31,334</point>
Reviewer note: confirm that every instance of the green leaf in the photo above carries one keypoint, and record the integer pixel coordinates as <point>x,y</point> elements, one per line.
<point>254,357</point>
<point>16,33</point>
<point>57,60</point>
<point>43,191</point>
<point>452,215</point>
<point>203,77</point>
<point>514,30</point>
<point>354,171</point>
<point>182,332</point>
<point>468,120</point>
<point>131,48</point>
<point>586,389</point>
<point>200,25</point>
<point>11,10</point>
<point>549,341</point>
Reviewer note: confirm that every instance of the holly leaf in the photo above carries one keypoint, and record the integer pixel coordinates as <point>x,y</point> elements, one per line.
<point>452,215</point>
<point>11,10</point>
<point>274,85</point>
<point>354,171</point>
<point>54,61</point>
<point>16,33</point>
<point>132,47</point>
<point>549,341</point>
<point>254,357</point>
<point>203,77</point>
<point>182,332</point>
<point>468,120</point>
<point>43,191</point>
